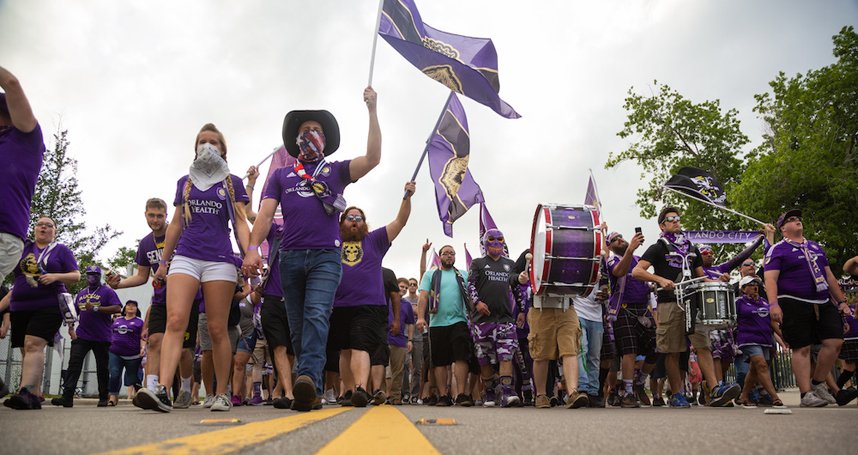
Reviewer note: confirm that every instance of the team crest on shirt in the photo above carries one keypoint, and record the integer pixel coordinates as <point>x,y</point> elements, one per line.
<point>352,253</point>
<point>326,171</point>
<point>122,329</point>
<point>29,265</point>
<point>221,193</point>
<point>506,267</point>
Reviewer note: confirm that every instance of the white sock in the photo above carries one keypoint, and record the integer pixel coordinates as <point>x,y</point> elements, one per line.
<point>186,384</point>
<point>151,381</point>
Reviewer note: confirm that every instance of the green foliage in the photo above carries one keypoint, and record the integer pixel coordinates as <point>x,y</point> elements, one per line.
<point>123,258</point>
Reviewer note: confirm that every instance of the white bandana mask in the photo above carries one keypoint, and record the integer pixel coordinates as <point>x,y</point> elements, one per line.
<point>209,168</point>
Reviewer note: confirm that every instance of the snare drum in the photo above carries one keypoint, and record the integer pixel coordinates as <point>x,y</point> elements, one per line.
<point>711,304</point>
<point>565,244</point>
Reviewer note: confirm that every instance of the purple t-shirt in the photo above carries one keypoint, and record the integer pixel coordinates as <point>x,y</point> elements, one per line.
<point>754,322</point>
<point>21,155</point>
<point>58,259</point>
<point>149,255</point>
<point>796,279</point>
<point>207,236</point>
<point>406,316</point>
<point>362,281</point>
<point>307,226</point>
<point>636,292</point>
<point>125,340</point>
<point>852,333</point>
<point>95,325</point>
<point>272,285</point>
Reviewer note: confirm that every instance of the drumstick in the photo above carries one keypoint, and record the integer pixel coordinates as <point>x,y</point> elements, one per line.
<point>683,283</point>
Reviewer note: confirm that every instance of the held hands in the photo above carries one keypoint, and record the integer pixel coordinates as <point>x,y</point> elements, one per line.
<point>161,274</point>
<point>252,263</point>
<point>370,98</point>
<point>483,309</point>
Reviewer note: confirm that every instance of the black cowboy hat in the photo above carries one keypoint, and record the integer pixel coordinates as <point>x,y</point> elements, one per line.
<point>293,121</point>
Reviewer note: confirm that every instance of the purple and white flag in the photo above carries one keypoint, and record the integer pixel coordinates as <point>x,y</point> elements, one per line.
<point>698,184</point>
<point>712,237</point>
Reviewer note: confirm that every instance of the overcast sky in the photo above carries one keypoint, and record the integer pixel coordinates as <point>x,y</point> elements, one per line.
<point>133,81</point>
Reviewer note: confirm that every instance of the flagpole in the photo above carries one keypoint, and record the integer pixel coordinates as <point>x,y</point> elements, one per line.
<point>429,139</point>
<point>262,162</point>
<point>375,41</point>
<point>598,198</point>
<point>718,206</point>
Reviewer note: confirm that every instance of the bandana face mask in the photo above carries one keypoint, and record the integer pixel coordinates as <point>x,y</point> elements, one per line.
<point>493,241</point>
<point>208,168</point>
<point>311,145</point>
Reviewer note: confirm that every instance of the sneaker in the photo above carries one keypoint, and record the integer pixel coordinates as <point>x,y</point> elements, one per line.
<point>542,402</point>
<point>183,401</point>
<point>378,398</point>
<point>465,400</point>
<point>23,400</point>
<point>595,401</point>
<point>527,396</point>
<point>282,403</point>
<point>330,397</point>
<point>445,401</point>
<point>640,394</point>
<point>256,401</point>
<point>614,399</point>
<point>235,400</point>
<point>346,400</point>
<point>415,400</point>
<point>221,403</point>
<point>136,400</point>
<point>360,398</point>
<point>812,400</point>
<point>844,396</point>
<point>657,401</point>
<point>554,401</point>
<point>678,401</point>
<point>103,404</point>
<point>155,401</point>
<point>629,401</point>
<point>724,394</point>
<point>305,394</point>
<point>431,400</point>
<point>822,392</point>
<point>491,399</point>
<point>576,400</point>
<point>207,403</point>
<point>510,401</point>
<point>62,401</point>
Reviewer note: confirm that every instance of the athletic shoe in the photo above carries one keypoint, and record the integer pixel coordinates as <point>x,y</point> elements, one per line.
<point>724,394</point>
<point>678,401</point>
<point>527,396</point>
<point>330,397</point>
<point>416,400</point>
<point>629,401</point>
<point>554,401</point>
<point>305,394</point>
<point>614,399</point>
<point>822,392</point>
<point>510,401</point>
<point>595,401</point>
<point>445,401</point>
<point>487,403</point>
<point>136,400</point>
<point>282,403</point>
<point>542,402</point>
<point>3,389</point>
<point>155,401</point>
<point>657,401</point>
<point>221,403</point>
<point>346,400</point>
<point>360,398</point>
<point>23,400</point>
<point>464,400</point>
<point>62,401</point>
<point>640,394</point>
<point>844,396</point>
<point>236,401</point>
<point>431,400</point>
<point>378,398</point>
<point>256,401</point>
<point>576,400</point>
<point>491,397</point>
<point>183,401</point>
<point>102,404</point>
<point>812,400</point>
<point>208,401</point>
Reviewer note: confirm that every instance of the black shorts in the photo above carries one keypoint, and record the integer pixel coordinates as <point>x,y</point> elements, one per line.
<point>42,323</point>
<point>609,352</point>
<point>802,328</point>
<point>849,351</point>
<point>631,335</point>
<point>332,361</point>
<point>158,323</point>
<point>449,344</point>
<point>381,355</point>
<point>275,324</point>
<point>363,328</point>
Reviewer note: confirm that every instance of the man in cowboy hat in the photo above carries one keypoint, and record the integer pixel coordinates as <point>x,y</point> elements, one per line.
<point>310,195</point>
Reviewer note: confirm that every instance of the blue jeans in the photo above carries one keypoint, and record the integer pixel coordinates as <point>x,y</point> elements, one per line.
<point>310,279</point>
<point>588,361</point>
<point>116,364</point>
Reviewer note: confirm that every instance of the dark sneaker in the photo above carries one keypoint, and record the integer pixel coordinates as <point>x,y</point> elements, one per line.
<point>553,401</point>
<point>378,398</point>
<point>595,401</point>
<point>317,403</point>
<point>183,401</point>
<point>657,401</point>
<point>360,398</point>
<point>464,400</point>
<point>155,401</point>
<point>4,390</point>
<point>432,400</point>
<point>845,396</point>
<point>723,394</point>
<point>528,397</point>
<point>640,394</point>
<point>346,400</point>
<point>629,401</point>
<point>23,400</point>
<point>62,401</point>
<point>679,401</point>
<point>305,394</point>
<point>576,400</point>
<point>445,401</point>
<point>282,403</point>
<point>103,403</point>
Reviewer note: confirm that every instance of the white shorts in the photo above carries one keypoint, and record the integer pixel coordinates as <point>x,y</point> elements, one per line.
<point>11,248</point>
<point>203,271</point>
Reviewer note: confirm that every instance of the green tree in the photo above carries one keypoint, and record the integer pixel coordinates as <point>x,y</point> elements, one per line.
<point>123,258</point>
<point>670,132</point>
<point>807,158</point>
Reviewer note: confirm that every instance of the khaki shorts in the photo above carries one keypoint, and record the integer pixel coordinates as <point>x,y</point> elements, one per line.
<point>670,333</point>
<point>554,333</point>
<point>260,353</point>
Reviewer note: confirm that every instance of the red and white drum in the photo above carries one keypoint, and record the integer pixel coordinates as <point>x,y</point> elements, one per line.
<point>566,244</point>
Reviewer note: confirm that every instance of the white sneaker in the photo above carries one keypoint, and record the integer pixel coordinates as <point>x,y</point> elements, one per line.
<point>221,403</point>
<point>330,397</point>
<point>812,400</point>
<point>183,401</point>
<point>208,402</point>
<point>822,392</point>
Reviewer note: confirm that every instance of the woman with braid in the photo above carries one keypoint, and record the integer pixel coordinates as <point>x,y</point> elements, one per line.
<point>208,199</point>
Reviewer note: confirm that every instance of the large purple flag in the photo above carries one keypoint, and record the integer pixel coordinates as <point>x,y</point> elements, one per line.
<point>592,196</point>
<point>698,184</point>
<point>463,64</point>
<point>449,150</point>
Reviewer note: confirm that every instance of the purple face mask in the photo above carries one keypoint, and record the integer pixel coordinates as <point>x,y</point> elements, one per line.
<point>493,241</point>
<point>311,145</point>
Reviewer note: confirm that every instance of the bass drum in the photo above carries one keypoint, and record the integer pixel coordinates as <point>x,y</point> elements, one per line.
<point>565,243</point>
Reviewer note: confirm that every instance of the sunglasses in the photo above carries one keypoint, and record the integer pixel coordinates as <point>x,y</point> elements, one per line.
<point>671,219</point>
<point>354,218</point>
<point>45,225</point>
<point>791,219</point>
<point>748,264</point>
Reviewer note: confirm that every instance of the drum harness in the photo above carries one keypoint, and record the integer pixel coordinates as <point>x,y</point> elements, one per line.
<point>683,279</point>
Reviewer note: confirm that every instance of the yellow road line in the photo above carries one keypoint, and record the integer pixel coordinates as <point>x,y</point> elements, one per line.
<point>234,438</point>
<point>381,430</point>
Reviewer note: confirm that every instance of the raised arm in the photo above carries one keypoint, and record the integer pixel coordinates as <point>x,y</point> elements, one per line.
<point>252,175</point>
<point>395,226</point>
<point>739,258</point>
<point>19,108</point>
<point>425,248</point>
<point>361,165</point>
<point>851,266</point>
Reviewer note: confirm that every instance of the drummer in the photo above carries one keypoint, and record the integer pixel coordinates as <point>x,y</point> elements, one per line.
<point>675,259</point>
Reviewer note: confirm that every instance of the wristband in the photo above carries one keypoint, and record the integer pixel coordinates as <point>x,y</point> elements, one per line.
<point>162,262</point>
<point>253,248</point>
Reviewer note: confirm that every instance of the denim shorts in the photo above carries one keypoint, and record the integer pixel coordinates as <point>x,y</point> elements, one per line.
<point>752,350</point>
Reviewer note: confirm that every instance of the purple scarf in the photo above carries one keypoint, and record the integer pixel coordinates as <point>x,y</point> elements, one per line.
<point>818,276</point>
<point>682,244</point>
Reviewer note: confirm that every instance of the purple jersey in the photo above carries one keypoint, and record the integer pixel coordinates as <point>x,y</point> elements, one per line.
<point>21,155</point>
<point>754,322</point>
<point>27,293</point>
<point>406,316</point>
<point>852,333</point>
<point>636,292</point>
<point>149,255</point>
<point>362,280</point>
<point>796,279</point>
<point>95,325</point>
<point>207,236</point>
<point>272,284</point>
<point>125,339</point>
<point>307,225</point>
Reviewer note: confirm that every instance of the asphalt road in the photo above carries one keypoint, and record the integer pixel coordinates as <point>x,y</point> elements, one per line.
<point>87,429</point>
